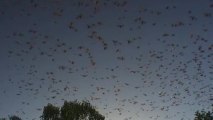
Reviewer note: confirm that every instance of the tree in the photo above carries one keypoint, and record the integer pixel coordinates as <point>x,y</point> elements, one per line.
<point>50,112</point>
<point>72,111</point>
<point>14,117</point>
<point>203,115</point>
<point>2,118</point>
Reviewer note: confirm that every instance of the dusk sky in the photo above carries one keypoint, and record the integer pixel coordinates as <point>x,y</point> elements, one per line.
<point>132,59</point>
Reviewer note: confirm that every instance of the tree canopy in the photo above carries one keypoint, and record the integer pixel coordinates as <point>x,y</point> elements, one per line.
<point>204,115</point>
<point>73,110</point>
<point>50,112</point>
<point>13,117</point>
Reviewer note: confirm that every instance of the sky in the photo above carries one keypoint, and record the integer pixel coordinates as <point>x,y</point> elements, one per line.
<point>131,59</point>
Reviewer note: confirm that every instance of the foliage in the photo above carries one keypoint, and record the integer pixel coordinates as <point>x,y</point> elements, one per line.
<point>72,111</point>
<point>203,115</point>
<point>50,112</point>
<point>14,117</point>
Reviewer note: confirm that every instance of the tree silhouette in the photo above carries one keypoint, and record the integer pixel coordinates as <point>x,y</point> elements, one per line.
<point>14,117</point>
<point>50,112</point>
<point>203,115</point>
<point>73,110</point>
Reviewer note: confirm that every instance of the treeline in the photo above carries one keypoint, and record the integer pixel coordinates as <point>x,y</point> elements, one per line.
<point>75,110</point>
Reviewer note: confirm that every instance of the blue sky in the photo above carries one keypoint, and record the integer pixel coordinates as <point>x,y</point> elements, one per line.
<point>132,59</point>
